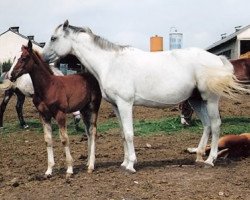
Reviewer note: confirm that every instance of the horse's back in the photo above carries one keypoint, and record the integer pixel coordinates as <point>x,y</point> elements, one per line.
<point>78,85</point>
<point>158,78</point>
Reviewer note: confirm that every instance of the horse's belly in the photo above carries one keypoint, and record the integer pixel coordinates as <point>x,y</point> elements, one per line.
<point>163,96</point>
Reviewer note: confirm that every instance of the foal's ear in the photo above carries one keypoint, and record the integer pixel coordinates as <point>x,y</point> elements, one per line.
<point>30,45</point>
<point>66,24</point>
<point>22,48</point>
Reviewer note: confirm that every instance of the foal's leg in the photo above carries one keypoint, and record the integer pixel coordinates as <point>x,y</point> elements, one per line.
<point>61,121</point>
<point>126,114</point>
<point>7,95</point>
<point>199,107</point>
<point>48,139</point>
<point>19,108</point>
<point>213,112</point>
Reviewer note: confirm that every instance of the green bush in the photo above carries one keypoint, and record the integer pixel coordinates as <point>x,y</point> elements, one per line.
<point>6,66</point>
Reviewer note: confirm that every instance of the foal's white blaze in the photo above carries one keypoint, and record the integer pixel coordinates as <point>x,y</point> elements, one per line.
<point>129,76</point>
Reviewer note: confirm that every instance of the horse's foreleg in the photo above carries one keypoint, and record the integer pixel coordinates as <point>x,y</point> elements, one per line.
<point>61,120</point>
<point>125,160</point>
<point>19,108</point>
<point>7,95</point>
<point>48,139</point>
<point>126,115</point>
<point>200,109</point>
<point>213,112</point>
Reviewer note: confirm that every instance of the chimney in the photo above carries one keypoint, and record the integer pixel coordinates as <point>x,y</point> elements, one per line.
<point>15,29</point>
<point>42,44</point>
<point>224,35</point>
<point>237,28</point>
<point>31,37</point>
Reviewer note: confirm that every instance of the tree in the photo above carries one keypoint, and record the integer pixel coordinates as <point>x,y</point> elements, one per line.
<point>5,66</point>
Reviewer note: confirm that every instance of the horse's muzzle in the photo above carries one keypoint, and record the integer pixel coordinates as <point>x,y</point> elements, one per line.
<point>13,77</point>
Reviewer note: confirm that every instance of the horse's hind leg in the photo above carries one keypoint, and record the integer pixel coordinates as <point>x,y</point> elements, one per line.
<point>7,95</point>
<point>19,108</point>
<point>213,112</point>
<point>61,121</point>
<point>200,109</point>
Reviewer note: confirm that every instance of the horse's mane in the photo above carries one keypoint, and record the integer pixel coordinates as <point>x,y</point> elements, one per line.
<point>39,57</point>
<point>99,41</point>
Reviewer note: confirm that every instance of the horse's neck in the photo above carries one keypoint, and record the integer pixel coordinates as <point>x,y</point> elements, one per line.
<point>95,59</point>
<point>40,77</point>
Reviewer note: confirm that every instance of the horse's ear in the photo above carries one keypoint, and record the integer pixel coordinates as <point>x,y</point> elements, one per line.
<point>66,24</point>
<point>30,45</point>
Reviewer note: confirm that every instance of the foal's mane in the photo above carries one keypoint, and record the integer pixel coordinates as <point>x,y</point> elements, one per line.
<point>42,62</point>
<point>98,40</point>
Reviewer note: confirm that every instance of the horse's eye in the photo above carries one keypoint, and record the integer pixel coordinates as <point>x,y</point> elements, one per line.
<point>53,38</point>
<point>22,59</point>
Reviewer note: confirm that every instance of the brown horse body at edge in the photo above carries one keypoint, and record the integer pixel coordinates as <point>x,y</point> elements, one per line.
<point>229,145</point>
<point>242,73</point>
<point>54,96</point>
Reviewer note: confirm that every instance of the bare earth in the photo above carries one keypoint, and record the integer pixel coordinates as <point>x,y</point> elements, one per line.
<point>164,170</point>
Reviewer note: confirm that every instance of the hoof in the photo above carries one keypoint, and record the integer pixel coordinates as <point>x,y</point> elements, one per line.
<point>199,163</point>
<point>90,171</point>
<point>123,167</point>
<point>131,171</point>
<point>68,176</point>
<point>190,150</point>
<point>47,176</point>
<point>128,170</point>
<point>208,165</point>
<point>25,126</point>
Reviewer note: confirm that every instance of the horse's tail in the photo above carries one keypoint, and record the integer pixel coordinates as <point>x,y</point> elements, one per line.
<point>222,81</point>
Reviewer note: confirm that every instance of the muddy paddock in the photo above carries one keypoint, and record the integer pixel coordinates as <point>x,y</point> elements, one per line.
<point>164,170</point>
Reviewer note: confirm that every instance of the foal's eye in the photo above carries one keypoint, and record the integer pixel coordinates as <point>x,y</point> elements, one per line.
<point>22,59</point>
<point>53,38</point>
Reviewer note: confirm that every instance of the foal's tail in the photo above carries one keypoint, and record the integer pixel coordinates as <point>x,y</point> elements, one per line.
<point>222,81</point>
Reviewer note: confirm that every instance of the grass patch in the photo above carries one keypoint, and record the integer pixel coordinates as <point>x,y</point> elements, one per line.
<point>233,125</point>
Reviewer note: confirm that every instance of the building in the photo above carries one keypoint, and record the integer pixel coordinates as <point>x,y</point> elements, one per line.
<point>156,43</point>
<point>233,46</point>
<point>11,42</point>
<point>175,39</point>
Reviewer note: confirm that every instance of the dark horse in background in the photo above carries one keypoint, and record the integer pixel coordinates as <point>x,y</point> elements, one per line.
<point>54,96</point>
<point>19,104</point>
<point>242,73</point>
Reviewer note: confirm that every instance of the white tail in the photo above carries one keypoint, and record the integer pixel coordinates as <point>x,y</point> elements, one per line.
<point>223,82</point>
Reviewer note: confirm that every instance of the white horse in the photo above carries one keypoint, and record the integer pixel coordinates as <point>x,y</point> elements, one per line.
<point>129,76</point>
<point>23,87</point>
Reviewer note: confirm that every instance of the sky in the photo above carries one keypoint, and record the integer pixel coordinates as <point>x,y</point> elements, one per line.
<point>129,22</point>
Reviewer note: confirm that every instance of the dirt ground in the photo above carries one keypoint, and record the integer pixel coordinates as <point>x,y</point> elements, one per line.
<point>164,170</point>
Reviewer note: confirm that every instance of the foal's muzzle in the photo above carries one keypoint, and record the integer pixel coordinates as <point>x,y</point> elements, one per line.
<point>13,77</point>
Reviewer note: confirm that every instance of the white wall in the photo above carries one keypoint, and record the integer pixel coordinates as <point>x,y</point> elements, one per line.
<point>244,35</point>
<point>11,43</point>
